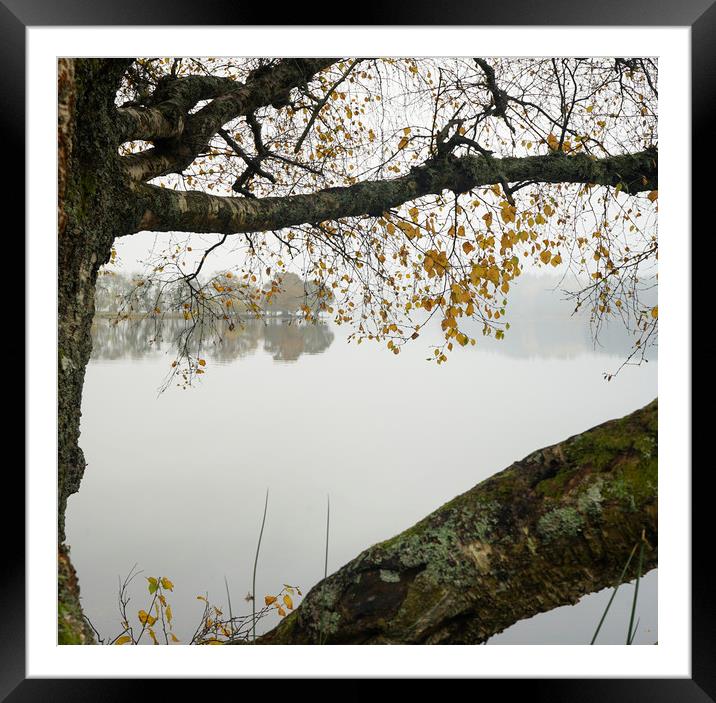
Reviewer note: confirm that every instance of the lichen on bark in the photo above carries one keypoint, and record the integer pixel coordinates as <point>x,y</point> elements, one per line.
<point>545,531</point>
<point>72,627</point>
<point>93,209</point>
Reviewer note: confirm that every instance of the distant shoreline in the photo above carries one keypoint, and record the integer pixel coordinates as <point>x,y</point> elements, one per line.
<point>107,315</point>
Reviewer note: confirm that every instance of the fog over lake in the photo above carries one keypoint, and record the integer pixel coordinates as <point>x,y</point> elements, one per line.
<point>176,481</point>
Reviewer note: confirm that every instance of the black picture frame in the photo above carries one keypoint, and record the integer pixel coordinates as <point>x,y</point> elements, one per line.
<point>699,15</point>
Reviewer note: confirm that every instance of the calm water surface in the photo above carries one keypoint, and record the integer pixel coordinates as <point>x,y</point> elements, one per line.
<point>176,481</point>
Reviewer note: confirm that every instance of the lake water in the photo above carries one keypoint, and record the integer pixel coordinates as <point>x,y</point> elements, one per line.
<point>176,481</point>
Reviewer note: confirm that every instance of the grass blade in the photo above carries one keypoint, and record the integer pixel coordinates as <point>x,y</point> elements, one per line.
<point>256,561</point>
<point>328,525</point>
<point>631,634</point>
<point>228,597</point>
<point>614,592</point>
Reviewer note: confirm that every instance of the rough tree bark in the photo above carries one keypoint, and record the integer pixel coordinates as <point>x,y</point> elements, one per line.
<point>542,533</point>
<point>167,210</point>
<point>92,211</point>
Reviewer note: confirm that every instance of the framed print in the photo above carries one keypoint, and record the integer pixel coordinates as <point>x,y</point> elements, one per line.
<point>359,351</point>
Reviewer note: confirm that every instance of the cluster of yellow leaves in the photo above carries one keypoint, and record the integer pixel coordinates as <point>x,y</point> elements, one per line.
<point>157,586</point>
<point>283,600</point>
<point>436,263</point>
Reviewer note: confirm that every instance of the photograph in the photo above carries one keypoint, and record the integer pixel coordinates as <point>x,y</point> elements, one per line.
<point>358,351</point>
<point>348,348</point>
<point>347,335</point>
<point>352,335</point>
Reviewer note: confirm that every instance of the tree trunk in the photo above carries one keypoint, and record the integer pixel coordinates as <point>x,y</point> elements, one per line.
<point>92,208</point>
<point>549,529</point>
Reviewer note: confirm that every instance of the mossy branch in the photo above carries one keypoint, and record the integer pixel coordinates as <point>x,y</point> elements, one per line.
<point>542,533</point>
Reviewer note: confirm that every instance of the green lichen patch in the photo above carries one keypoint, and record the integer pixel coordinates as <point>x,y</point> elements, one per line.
<point>71,625</point>
<point>560,522</point>
<point>389,576</point>
<point>590,501</point>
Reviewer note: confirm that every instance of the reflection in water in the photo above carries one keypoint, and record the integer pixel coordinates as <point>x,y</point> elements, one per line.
<point>177,485</point>
<point>540,333</point>
<point>284,340</point>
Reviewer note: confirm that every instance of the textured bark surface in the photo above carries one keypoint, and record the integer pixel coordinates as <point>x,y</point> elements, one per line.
<point>167,210</point>
<point>542,533</point>
<point>72,628</point>
<point>92,212</point>
<point>178,136</point>
<point>93,198</point>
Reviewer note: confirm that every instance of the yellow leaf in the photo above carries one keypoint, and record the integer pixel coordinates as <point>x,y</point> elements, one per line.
<point>174,637</point>
<point>403,143</point>
<point>508,213</point>
<point>476,274</point>
<point>169,613</point>
<point>493,274</point>
<point>408,229</point>
<point>287,600</point>
<point>145,618</point>
<point>653,195</point>
<point>123,639</point>
<point>545,256</point>
<point>270,599</point>
<point>655,312</point>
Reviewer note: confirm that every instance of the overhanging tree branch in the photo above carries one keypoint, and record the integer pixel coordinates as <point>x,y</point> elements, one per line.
<point>181,137</point>
<point>551,528</point>
<point>166,210</point>
<point>166,112</point>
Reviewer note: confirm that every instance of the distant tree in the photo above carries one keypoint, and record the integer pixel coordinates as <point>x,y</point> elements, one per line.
<point>290,294</point>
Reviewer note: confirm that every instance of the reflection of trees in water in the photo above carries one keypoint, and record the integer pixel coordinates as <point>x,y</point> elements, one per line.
<point>285,340</point>
<point>541,327</point>
<point>560,337</point>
